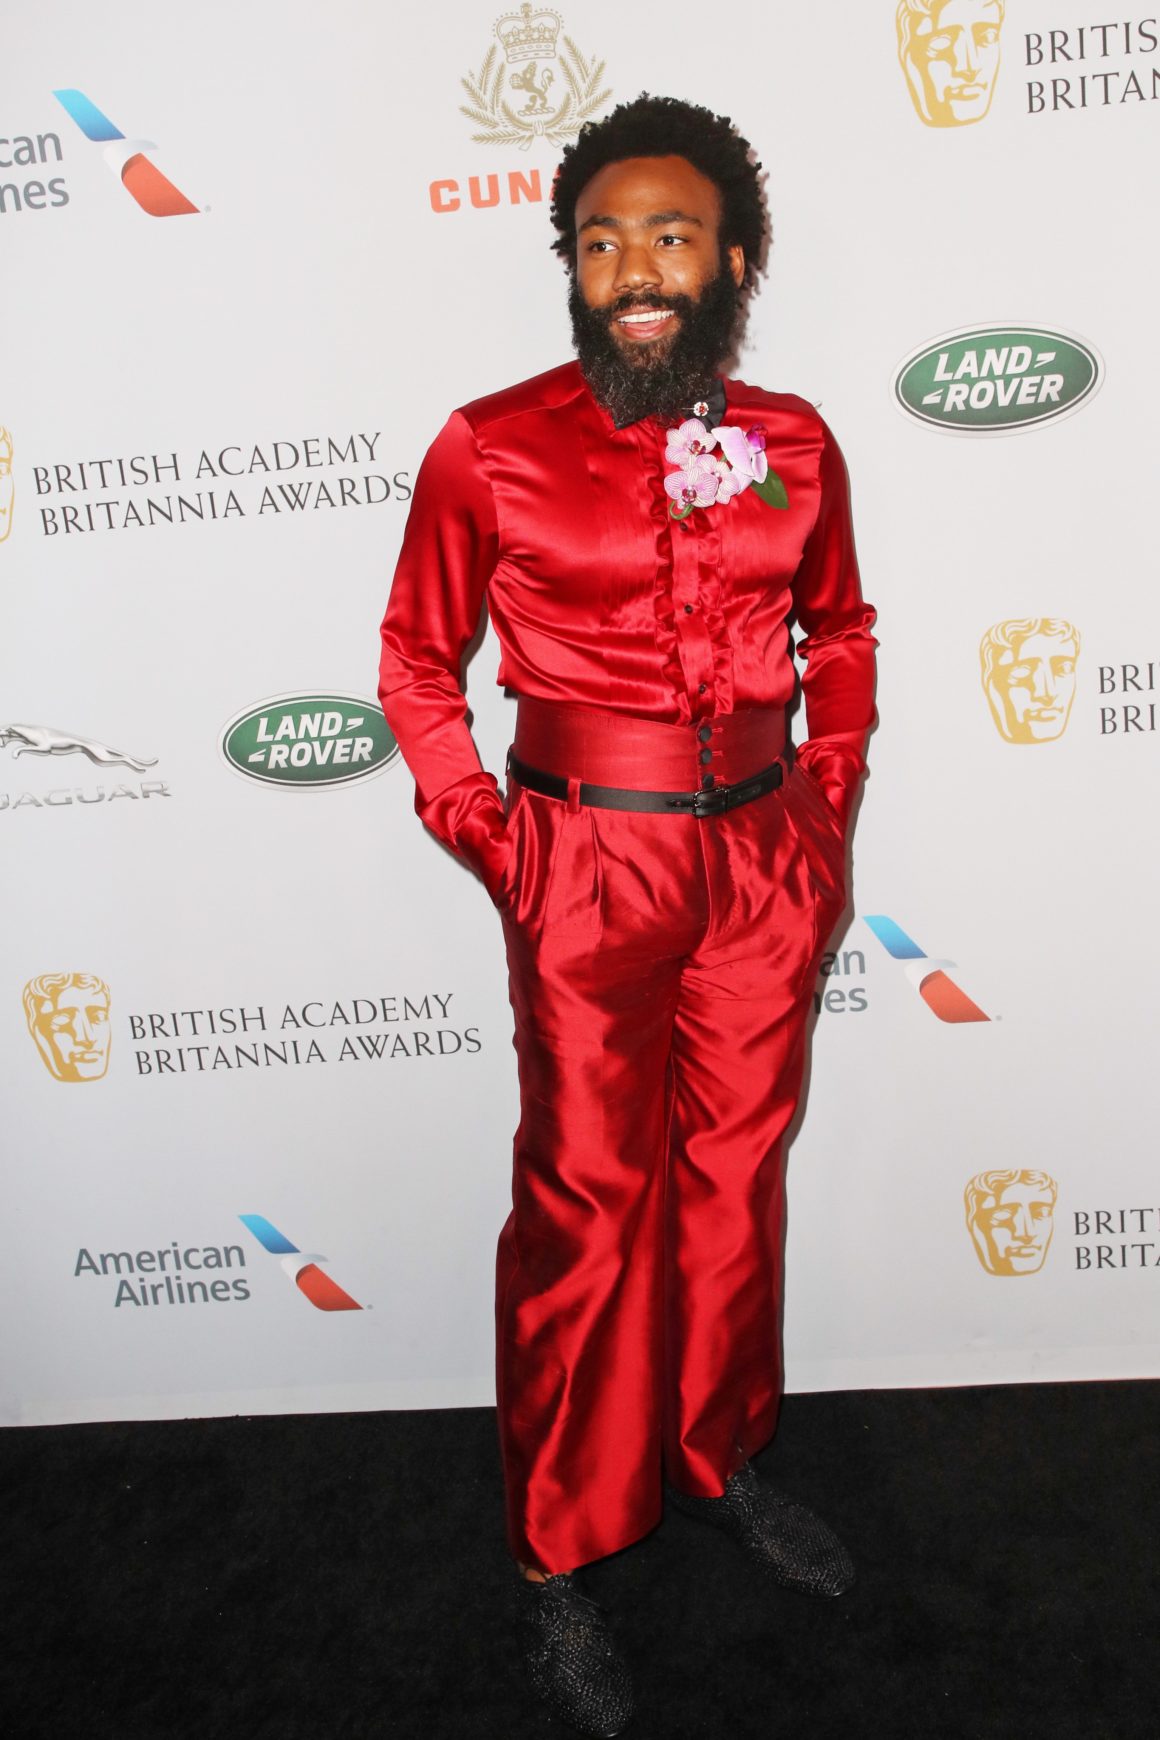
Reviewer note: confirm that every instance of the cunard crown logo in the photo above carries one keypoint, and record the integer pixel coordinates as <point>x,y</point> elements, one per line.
<point>537,88</point>
<point>528,35</point>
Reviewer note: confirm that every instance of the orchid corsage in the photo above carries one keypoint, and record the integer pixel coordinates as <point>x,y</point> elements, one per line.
<point>705,476</point>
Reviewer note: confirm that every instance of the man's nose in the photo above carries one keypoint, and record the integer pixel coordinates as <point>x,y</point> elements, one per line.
<point>1024,1226</point>
<point>82,1028</point>
<point>638,268</point>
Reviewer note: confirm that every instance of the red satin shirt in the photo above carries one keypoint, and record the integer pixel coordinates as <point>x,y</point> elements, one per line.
<point>533,499</point>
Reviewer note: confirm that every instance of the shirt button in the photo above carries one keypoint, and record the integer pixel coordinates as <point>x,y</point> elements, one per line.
<point>706,757</point>
<point>705,733</point>
<point>701,687</point>
<point>688,610</point>
<point>708,782</point>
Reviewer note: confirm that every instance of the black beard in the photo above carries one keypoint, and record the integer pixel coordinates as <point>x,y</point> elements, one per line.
<point>664,378</point>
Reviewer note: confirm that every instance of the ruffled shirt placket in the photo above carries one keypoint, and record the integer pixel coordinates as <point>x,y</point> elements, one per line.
<point>691,632</point>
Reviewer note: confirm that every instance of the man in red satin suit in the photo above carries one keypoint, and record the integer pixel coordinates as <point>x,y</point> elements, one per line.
<point>666,867</point>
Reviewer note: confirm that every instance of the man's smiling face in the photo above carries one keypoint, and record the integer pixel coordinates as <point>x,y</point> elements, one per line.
<point>655,297</point>
<point>646,231</point>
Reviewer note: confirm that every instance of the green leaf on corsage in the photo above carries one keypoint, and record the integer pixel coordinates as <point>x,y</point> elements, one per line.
<point>771,490</point>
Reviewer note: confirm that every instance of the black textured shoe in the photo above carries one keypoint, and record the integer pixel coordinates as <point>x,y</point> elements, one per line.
<point>571,1660</point>
<point>787,1541</point>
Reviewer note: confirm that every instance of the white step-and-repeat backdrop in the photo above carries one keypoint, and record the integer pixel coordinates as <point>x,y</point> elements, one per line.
<point>258,1083</point>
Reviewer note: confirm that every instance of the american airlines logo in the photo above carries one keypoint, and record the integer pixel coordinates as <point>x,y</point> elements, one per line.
<point>931,979</point>
<point>301,1267</point>
<point>126,158</point>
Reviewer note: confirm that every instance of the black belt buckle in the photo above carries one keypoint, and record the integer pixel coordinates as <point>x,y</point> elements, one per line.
<point>723,798</point>
<point>715,802</point>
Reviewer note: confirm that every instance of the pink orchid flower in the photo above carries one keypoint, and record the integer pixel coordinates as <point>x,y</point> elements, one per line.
<point>689,442</point>
<point>744,454</point>
<point>756,438</point>
<point>732,480</point>
<point>697,484</point>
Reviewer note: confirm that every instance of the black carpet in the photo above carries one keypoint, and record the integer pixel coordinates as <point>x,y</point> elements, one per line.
<point>328,1576</point>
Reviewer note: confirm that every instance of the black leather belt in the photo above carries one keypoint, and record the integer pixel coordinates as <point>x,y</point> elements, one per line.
<point>717,801</point>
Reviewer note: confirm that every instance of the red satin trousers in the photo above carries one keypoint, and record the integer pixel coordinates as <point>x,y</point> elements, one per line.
<point>661,970</point>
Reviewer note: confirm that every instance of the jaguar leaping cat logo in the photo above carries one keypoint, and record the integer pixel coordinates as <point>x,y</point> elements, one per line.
<point>43,740</point>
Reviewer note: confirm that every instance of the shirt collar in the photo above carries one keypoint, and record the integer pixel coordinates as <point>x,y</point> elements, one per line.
<point>715,401</point>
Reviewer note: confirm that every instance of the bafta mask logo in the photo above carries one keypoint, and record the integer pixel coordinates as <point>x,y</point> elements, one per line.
<point>949,51</point>
<point>1028,667</point>
<point>1011,1217</point>
<point>7,483</point>
<point>68,1017</point>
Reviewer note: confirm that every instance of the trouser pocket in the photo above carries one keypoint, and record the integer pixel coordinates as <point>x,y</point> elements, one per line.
<point>557,882</point>
<point>823,845</point>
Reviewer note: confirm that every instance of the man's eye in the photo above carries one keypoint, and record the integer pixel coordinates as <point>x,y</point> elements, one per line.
<point>937,45</point>
<point>1019,673</point>
<point>987,35</point>
<point>666,239</point>
<point>598,247</point>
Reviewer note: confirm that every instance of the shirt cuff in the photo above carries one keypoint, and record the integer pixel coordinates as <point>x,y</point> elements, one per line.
<point>471,820</point>
<point>838,771</point>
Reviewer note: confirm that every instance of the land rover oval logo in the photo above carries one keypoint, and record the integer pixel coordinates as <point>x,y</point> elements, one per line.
<point>312,739</point>
<point>994,380</point>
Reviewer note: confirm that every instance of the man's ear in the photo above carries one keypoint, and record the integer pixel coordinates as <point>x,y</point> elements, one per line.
<point>735,258</point>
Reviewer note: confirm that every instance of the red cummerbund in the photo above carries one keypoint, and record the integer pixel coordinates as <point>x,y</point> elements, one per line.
<point>617,749</point>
